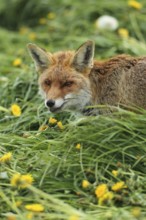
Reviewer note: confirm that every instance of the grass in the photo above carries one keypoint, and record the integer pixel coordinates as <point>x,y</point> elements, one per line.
<point>114,142</point>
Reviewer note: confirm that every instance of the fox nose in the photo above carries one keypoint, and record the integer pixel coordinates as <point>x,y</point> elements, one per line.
<point>50,103</point>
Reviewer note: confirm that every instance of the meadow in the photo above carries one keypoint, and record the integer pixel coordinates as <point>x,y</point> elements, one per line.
<point>65,166</point>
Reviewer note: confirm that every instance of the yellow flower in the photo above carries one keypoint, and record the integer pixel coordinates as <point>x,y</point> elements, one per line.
<point>135,4</point>
<point>43,127</point>
<point>42,21</point>
<point>16,110</point>
<point>78,146</point>
<point>35,207</point>
<point>136,212</point>
<point>6,157</point>
<point>115,173</point>
<point>101,190</point>
<point>52,120</point>
<point>26,180</point>
<point>32,36</point>
<point>60,125</point>
<point>17,62</point>
<point>123,32</point>
<point>51,15</point>
<point>74,217</point>
<point>118,186</point>
<point>21,181</point>
<point>29,215</point>
<point>23,30</point>
<point>15,180</point>
<point>11,217</point>
<point>18,203</point>
<point>85,183</point>
<point>106,197</point>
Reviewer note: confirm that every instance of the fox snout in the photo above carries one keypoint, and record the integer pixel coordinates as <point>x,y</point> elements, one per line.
<point>54,105</point>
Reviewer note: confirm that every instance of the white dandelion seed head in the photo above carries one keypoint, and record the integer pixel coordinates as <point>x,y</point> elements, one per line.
<point>106,22</point>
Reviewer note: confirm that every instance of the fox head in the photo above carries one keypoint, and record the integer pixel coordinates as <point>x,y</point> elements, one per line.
<point>64,76</point>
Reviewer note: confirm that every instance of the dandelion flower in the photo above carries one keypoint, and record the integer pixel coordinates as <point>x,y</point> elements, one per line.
<point>78,146</point>
<point>6,157</point>
<point>16,110</point>
<point>123,32</point>
<point>15,180</point>
<point>18,203</point>
<point>118,186</point>
<point>21,181</point>
<point>101,190</point>
<point>26,180</point>
<point>35,207</point>
<point>106,197</point>
<point>23,30</point>
<point>60,125</point>
<point>135,4</point>
<point>29,215</point>
<point>51,15</point>
<point>107,22</point>
<point>115,173</point>
<point>85,183</point>
<point>42,21</point>
<point>74,217</point>
<point>11,217</point>
<point>17,62</point>
<point>43,127</point>
<point>136,212</point>
<point>52,121</point>
<point>32,36</point>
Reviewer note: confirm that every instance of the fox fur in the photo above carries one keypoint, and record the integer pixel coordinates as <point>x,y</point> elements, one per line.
<point>73,80</point>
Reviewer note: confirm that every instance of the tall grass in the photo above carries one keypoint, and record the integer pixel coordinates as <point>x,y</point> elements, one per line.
<point>107,143</point>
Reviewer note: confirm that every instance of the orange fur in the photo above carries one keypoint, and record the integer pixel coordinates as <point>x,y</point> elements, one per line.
<point>73,80</point>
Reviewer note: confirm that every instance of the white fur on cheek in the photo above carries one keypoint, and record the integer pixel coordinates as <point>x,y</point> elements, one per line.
<point>77,101</point>
<point>59,102</point>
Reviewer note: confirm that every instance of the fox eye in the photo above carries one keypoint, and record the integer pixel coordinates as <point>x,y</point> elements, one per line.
<point>47,82</point>
<point>68,83</point>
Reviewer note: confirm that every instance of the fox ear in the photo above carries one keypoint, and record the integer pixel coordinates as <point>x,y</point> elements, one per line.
<point>39,56</point>
<point>83,58</point>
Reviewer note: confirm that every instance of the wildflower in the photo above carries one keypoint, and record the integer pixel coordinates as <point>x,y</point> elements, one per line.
<point>118,186</point>
<point>26,180</point>
<point>135,4</point>
<point>29,215</point>
<point>35,207</point>
<point>43,127</point>
<point>23,30</point>
<point>136,212</point>
<point>32,36</point>
<point>115,173</point>
<point>15,180</point>
<point>74,217</point>
<point>107,22</point>
<point>16,110</point>
<point>85,183</point>
<point>60,125</point>
<point>51,15</point>
<point>42,21</point>
<point>52,120</point>
<point>17,62</point>
<point>6,157</point>
<point>106,197</point>
<point>123,32</point>
<point>18,203</point>
<point>21,181</point>
<point>11,217</point>
<point>78,146</point>
<point>101,190</point>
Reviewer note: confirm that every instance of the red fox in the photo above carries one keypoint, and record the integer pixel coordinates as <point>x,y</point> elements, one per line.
<point>73,80</point>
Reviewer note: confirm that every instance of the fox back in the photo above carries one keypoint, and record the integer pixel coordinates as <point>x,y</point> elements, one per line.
<point>73,80</point>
